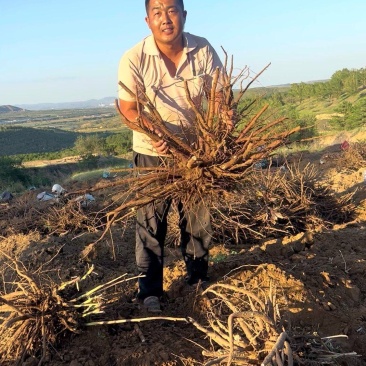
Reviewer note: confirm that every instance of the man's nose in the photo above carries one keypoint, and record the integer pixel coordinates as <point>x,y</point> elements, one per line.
<point>166,18</point>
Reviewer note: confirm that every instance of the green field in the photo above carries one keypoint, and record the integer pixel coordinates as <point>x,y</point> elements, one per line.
<point>27,132</point>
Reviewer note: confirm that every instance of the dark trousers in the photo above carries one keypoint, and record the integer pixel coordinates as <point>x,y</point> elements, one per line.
<point>151,229</point>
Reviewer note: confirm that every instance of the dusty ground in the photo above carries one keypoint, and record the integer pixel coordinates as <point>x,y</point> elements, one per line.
<point>319,276</point>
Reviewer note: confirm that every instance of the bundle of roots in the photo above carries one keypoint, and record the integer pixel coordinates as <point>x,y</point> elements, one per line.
<point>354,157</point>
<point>245,326</point>
<point>22,215</point>
<point>36,313</point>
<point>26,214</point>
<point>71,217</point>
<point>221,157</point>
<point>275,203</point>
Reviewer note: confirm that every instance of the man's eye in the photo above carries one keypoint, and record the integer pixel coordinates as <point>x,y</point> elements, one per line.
<point>157,13</point>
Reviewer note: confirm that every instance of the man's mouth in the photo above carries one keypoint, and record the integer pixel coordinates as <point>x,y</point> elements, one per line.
<point>168,30</point>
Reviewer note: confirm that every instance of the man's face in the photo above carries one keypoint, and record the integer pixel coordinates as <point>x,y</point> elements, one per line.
<point>166,19</point>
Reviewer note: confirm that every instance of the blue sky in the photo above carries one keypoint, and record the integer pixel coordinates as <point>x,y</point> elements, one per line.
<point>68,50</point>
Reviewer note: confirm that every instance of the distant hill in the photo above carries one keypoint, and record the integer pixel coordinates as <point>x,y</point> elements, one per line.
<point>9,108</point>
<point>305,82</point>
<point>109,101</point>
<point>92,103</point>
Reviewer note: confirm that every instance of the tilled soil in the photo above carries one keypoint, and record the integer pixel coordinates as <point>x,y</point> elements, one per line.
<point>319,278</point>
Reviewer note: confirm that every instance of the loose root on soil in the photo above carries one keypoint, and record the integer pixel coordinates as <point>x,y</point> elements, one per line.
<point>245,327</point>
<point>354,157</point>
<point>246,318</point>
<point>279,202</point>
<point>71,217</point>
<point>59,217</point>
<point>273,203</point>
<point>246,323</point>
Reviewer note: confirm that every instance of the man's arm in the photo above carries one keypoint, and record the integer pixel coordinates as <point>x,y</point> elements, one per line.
<point>127,73</point>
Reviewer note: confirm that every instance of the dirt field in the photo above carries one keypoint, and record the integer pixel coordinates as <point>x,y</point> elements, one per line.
<point>319,278</point>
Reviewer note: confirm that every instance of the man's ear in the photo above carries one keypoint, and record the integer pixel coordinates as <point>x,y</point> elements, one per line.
<point>147,20</point>
<point>185,15</point>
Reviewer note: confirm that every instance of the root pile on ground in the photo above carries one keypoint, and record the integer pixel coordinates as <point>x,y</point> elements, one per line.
<point>245,325</point>
<point>21,215</point>
<point>36,313</point>
<point>71,217</point>
<point>354,157</point>
<point>25,214</point>
<point>278,202</point>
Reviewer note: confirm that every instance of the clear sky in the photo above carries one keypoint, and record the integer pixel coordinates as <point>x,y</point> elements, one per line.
<point>68,50</point>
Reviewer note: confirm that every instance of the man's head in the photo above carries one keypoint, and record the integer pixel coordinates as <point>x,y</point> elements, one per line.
<point>147,3</point>
<point>166,19</point>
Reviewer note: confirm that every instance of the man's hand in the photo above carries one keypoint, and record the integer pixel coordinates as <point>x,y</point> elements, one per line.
<point>131,112</point>
<point>161,147</point>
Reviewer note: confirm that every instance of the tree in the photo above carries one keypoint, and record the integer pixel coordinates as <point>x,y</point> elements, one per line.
<point>11,171</point>
<point>298,91</point>
<point>352,82</point>
<point>90,145</point>
<point>357,116</point>
<point>120,143</point>
<point>352,115</point>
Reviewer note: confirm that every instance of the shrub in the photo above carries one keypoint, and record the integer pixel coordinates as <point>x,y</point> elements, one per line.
<point>11,172</point>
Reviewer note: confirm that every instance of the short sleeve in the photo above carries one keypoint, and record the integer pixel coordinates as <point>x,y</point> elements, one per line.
<point>128,75</point>
<point>214,62</point>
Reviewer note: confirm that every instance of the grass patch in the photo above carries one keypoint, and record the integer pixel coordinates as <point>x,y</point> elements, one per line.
<point>115,167</point>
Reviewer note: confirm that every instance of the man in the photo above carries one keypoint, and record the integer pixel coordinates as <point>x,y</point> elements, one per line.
<point>158,66</point>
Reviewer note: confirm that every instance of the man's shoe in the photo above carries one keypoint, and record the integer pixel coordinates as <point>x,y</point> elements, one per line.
<point>204,284</point>
<point>194,281</point>
<point>152,304</point>
<point>195,288</point>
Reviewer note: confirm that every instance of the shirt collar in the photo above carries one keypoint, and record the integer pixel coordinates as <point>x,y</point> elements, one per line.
<point>151,49</point>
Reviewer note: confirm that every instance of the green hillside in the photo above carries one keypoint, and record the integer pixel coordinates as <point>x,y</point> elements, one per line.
<point>325,107</point>
<point>26,140</point>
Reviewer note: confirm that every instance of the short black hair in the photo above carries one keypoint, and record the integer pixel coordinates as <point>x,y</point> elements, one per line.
<point>147,3</point>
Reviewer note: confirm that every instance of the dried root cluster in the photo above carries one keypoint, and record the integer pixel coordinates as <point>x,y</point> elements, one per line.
<point>70,217</point>
<point>221,157</point>
<point>244,322</point>
<point>22,215</point>
<point>26,214</point>
<point>36,313</point>
<point>278,202</point>
<point>245,326</point>
<point>273,202</point>
<point>354,157</point>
